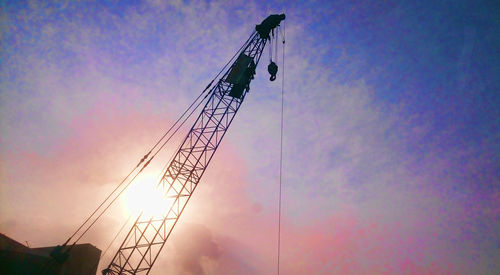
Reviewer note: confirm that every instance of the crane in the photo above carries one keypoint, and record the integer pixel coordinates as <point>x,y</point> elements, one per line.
<point>144,241</point>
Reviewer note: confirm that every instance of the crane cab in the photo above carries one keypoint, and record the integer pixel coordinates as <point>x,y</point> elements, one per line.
<point>241,74</point>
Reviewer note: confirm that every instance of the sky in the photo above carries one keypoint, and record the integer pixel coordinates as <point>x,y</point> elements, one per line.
<point>390,142</point>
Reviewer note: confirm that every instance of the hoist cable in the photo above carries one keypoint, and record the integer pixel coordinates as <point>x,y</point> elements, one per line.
<point>270,50</point>
<point>281,147</point>
<point>145,157</point>
<point>276,45</point>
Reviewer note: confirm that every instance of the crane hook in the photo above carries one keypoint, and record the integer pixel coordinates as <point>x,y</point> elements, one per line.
<point>273,70</point>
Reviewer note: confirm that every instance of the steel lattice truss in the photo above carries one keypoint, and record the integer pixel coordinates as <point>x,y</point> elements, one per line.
<point>143,243</point>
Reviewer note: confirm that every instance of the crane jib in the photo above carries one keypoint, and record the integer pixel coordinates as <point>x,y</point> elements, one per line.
<point>143,243</point>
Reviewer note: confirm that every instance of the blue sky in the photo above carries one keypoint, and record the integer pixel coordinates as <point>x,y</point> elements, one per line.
<point>390,145</point>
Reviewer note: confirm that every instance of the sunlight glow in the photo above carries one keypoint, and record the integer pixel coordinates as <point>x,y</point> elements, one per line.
<point>142,195</point>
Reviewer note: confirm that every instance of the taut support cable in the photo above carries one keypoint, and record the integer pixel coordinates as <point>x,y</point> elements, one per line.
<point>281,145</point>
<point>146,156</point>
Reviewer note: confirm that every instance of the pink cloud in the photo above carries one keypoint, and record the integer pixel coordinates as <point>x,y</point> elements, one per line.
<point>355,201</point>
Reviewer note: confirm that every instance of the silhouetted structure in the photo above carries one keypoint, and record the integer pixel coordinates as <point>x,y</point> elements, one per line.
<point>144,241</point>
<point>15,258</point>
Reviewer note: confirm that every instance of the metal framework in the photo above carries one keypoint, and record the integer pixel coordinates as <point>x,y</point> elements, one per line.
<point>146,238</point>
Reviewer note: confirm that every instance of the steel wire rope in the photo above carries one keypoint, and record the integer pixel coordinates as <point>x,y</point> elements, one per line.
<point>116,236</point>
<point>150,151</point>
<point>281,146</point>
<point>270,49</point>
<point>276,45</point>
<point>110,243</point>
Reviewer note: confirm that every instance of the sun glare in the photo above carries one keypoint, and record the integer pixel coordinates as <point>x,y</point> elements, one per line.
<point>142,195</point>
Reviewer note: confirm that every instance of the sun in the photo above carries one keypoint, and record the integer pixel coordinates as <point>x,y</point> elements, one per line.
<point>144,196</point>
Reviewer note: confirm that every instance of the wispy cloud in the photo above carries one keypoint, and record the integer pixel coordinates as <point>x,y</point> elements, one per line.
<point>368,187</point>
